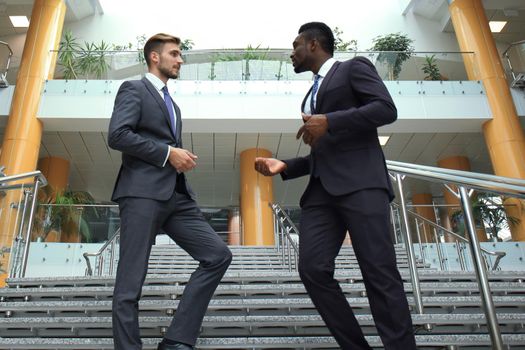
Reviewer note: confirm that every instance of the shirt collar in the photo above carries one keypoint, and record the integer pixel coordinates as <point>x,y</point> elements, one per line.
<point>159,84</point>
<point>325,68</point>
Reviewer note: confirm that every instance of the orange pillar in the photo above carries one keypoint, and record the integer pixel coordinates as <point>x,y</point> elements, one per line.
<point>504,135</point>
<point>256,194</point>
<point>56,171</point>
<point>234,226</point>
<point>423,206</point>
<point>23,133</point>
<point>458,163</point>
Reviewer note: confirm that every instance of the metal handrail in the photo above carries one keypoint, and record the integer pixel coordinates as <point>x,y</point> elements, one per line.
<point>22,242</point>
<point>102,249</point>
<point>285,234</point>
<point>506,55</point>
<point>471,175</point>
<point>3,74</point>
<point>498,254</point>
<point>31,174</point>
<point>487,183</point>
<point>456,177</point>
<point>10,55</point>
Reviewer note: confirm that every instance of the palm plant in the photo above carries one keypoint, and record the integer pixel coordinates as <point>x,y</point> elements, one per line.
<point>487,213</point>
<point>68,52</point>
<point>250,53</point>
<point>431,69</point>
<point>58,212</point>
<point>82,61</point>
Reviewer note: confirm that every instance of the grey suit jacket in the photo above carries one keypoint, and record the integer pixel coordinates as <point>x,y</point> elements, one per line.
<point>348,157</point>
<point>140,128</point>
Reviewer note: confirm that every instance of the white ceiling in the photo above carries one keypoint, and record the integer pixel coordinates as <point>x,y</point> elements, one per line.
<point>94,165</point>
<point>13,8</point>
<point>496,10</point>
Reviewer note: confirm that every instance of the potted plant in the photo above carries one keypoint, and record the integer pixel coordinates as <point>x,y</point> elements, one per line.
<point>64,221</point>
<point>431,69</point>
<point>396,48</point>
<point>487,214</point>
<point>79,61</point>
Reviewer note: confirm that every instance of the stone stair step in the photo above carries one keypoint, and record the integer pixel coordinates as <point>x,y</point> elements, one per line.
<point>449,304</point>
<point>256,342</point>
<point>247,290</point>
<point>268,276</point>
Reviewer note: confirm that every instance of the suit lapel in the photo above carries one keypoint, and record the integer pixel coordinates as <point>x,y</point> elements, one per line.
<point>322,88</point>
<point>305,98</point>
<point>153,91</point>
<point>179,123</point>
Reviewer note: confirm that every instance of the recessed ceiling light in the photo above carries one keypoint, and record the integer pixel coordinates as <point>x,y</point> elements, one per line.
<point>383,140</point>
<point>497,26</point>
<point>19,21</point>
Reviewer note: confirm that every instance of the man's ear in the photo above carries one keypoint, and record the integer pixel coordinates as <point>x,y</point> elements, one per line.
<point>154,57</point>
<point>314,44</point>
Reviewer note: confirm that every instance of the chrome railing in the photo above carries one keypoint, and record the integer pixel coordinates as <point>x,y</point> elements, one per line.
<point>3,71</point>
<point>516,62</point>
<point>285,242</point>
<point>18,213</point>
<point>465,182</point>
<point>437,229</point>
<point>108,250</point>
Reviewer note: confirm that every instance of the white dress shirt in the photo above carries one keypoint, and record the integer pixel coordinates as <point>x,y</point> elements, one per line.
<point>322,73</point>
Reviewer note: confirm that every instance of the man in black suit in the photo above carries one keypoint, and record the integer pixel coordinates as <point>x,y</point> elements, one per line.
<point>153,195</point>
<point>349,189</point>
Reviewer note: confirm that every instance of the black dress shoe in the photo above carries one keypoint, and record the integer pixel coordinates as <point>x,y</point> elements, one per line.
<point>177,346</point>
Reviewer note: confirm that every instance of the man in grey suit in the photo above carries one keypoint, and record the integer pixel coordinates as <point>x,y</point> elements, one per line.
<point>153,196</point>
<point>349,189</point>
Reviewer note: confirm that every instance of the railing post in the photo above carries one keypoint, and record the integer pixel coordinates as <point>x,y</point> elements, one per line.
<point>420,243</point>
<point>19,239</point>
<point>29,227</point>
<point>111,258</point>
<point>393,222</point>
<point>486,297</point>
<point>409,247</point>
<point>439,251</point>
<point>461,256</point>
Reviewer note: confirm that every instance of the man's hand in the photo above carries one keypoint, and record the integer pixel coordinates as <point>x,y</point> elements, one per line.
<point>182,160</point>
<point>269,166</point>
<point>314,127</point>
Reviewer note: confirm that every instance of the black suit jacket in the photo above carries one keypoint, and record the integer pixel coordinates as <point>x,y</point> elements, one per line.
<point>140,128</point>
<point>348,157</point>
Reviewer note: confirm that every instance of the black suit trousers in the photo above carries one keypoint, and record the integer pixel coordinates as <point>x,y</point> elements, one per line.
<point>182,220</point>
<point>324,222</point>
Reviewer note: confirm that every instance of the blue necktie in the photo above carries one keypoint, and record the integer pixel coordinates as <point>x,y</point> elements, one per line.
<point>169,105</point>
<point>314,91</point>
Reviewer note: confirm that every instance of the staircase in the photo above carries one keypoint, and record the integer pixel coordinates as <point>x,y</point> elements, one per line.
<point>258,305</point>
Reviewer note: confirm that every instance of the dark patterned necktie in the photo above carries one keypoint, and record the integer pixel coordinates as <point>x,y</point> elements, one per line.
<point>315,87</point>
<point>169,105</point>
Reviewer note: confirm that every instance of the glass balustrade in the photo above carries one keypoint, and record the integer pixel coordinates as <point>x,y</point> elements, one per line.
<point>256,64</point>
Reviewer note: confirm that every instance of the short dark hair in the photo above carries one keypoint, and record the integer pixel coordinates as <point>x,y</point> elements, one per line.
<point>156,43</point>
<point>321,32</point>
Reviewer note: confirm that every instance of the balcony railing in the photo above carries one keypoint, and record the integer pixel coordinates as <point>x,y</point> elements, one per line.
<point>514,56</point>
<point>256,64</point>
